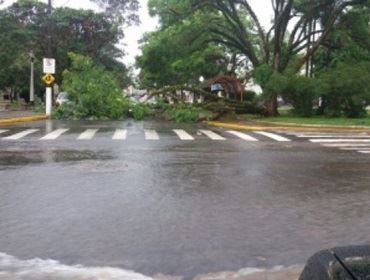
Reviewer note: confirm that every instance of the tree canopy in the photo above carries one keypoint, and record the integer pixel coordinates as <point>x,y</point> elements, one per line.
<point>300,29</point>
<point>24,30</point>
<point>180,53</point>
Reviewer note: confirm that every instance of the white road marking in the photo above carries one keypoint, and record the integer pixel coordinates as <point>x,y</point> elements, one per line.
<point>340,140</point>
<point>20,135</point>
<point>273,136</point>
<point>3,130</point>
<point>364,152</point>
<point>88,134</point>
<point>345,145</point>
<point>212,135</point>
<point>55,134</point>
<point>120,134</point>
<point>151,134</point>
<point>243,136</point>
<point>183,135</point>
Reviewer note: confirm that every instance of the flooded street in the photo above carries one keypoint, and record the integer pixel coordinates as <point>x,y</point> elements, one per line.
<point>178,208</point>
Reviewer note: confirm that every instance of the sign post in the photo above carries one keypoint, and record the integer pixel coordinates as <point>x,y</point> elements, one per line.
<point>48,101</point>
<point>48,78</point>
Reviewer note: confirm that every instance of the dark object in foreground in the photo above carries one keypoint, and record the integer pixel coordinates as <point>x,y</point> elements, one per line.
<point>342,263</point>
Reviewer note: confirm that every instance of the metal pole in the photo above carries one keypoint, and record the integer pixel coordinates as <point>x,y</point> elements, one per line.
<point>32,80</point>
<point>49,90</point>
<point>48,101</point>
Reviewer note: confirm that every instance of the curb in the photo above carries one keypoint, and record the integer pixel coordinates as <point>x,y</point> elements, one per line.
<point>268,126</point>
<point>11,121</point>
<point>313,125</point>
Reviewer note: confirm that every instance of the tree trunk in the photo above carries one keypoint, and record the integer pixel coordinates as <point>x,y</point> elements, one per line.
<point>271,106</point>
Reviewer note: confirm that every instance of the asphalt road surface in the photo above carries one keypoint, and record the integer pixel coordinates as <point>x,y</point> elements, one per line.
<point>177,199</point>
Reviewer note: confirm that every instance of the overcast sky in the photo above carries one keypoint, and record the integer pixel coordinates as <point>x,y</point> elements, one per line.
<point>133,34</point>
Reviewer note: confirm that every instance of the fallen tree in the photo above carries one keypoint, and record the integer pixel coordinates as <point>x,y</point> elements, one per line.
<point>218,106</point>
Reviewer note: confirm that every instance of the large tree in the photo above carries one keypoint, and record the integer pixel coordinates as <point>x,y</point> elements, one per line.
<point>81,31</point>
<point>348,43</point>
<point>179,52</point>
<point>14,40</point>
<point>293,32</point>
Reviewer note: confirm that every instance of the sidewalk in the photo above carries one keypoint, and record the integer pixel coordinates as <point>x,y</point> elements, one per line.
<point>261,125</point>
<point>13,117</point>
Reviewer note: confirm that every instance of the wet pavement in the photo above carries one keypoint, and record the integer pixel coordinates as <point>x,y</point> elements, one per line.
<point>178,208</point>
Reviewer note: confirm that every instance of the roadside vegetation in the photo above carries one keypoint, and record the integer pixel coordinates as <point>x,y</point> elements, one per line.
<point>93,93</point>
<point>291,118</point>
<point>314,59</point>
<point>23,35</point>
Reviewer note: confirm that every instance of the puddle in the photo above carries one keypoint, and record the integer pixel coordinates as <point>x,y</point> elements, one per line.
<point>9,159</point>
<point>94,166</point>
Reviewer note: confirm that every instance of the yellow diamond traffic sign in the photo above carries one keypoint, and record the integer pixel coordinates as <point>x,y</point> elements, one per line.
<point>48,79</point>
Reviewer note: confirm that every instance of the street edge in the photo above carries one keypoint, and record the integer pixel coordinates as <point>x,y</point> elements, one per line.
<point>268,126</point>
<point>313,125</point>
<point>12,121</point>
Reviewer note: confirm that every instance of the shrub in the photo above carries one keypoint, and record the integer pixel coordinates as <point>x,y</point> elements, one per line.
<point>93,92</point>
<point>184,113</point>
<point>301,93</point>
<point>347,90</point>
<point>249,96</point>
<point>65,111</point>
<point>39,107</point>
<point>160,104</point>
<point>15,105</point>
<point>140,111</point>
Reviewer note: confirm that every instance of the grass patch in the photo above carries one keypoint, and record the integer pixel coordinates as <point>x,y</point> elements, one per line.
<point>287,117</point>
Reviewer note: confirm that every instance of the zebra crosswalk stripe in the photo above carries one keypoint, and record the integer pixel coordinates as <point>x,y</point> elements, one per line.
<point>273,136</point>
<point>243,136</point>
<point>88,134</point>
<point>55,134</point>
<point>151,134</point>
<point>183,135</point>
<point>120,134</point>
<point>212,135</point>
<point>20,135</point>
<point>3,130</point>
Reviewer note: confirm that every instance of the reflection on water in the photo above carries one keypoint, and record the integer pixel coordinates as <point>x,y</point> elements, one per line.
<point>20,158</point>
